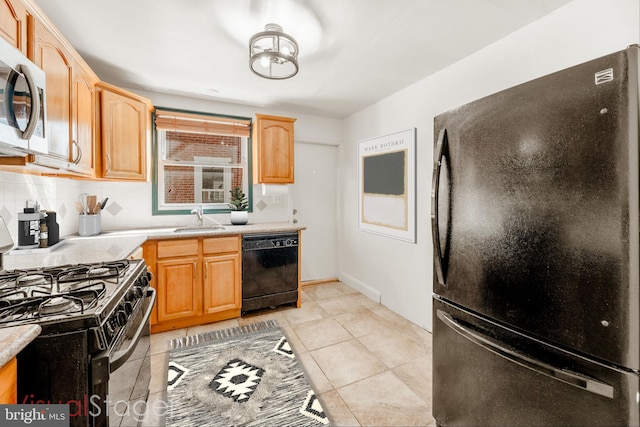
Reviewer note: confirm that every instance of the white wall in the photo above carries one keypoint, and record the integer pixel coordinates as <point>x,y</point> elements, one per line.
<point>53,194</point>
<point>400,273</point>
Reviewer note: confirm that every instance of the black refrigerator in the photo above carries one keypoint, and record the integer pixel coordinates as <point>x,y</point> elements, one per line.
<point>535,222</point>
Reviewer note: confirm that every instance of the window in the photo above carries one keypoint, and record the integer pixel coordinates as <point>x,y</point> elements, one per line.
<point>199,159</point>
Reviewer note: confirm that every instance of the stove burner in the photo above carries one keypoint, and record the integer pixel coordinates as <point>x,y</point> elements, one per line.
<point>34,283</point>
<point>31,280</point>
<point>57,305</point>
<point>98,271</point>
<point>105,271</point>
<point>84,290</point>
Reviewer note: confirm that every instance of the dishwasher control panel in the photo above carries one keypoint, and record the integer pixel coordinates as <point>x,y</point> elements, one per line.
<point>269,241</point>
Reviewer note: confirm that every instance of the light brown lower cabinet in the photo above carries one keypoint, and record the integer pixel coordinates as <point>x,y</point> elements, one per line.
<point>198,280</point>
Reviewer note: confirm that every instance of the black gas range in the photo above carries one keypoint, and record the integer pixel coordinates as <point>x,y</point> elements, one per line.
<point>94,319</point>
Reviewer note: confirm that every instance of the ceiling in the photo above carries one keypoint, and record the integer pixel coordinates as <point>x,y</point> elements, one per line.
<point>352,52</point>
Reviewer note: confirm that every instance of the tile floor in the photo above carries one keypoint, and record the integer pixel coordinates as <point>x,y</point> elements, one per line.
<point>369,366</point>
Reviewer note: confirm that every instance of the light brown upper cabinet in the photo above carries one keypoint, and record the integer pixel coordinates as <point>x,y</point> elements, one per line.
<point>272,143</point>
<point>13,24</point>
<point>71,111</point>
<point>56,60</point>
<point>83,144</point>
<point>125,124</point>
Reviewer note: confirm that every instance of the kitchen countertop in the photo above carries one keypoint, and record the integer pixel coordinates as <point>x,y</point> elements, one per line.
<point>113,245</point>
<point>229,230</point>
<point>77,250</point>
<point>14,339</point>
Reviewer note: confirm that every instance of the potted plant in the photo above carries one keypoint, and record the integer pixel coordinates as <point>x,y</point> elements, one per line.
<point>239,205</point>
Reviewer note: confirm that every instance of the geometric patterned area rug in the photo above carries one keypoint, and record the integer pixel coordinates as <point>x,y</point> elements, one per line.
<point>242,376</point>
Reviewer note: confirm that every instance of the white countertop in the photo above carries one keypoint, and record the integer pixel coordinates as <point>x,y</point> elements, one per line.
<point>77,250</point>
<point>113,245</point>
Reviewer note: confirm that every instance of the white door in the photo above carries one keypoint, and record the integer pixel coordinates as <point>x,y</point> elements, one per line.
<point>314,201</point>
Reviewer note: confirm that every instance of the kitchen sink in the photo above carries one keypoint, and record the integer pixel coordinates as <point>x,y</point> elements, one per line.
<point>195,228</point>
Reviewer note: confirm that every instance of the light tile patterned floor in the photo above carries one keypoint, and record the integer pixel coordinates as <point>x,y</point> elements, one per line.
<point>370,366</point>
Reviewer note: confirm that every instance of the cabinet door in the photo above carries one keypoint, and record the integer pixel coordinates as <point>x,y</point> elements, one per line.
<point>124,122</point>
<point>222,289</point>
<point>13,24</point>
<point>178,295</point>
<point>273,150</point>
<point>84,113</point>
<point>57,63</point>
<point>9,383</point>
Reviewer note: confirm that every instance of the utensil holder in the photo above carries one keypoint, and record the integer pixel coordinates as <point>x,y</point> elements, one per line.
<point>89,225</point>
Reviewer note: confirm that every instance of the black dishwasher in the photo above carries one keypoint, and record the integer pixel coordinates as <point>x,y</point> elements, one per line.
<point>269,270</point>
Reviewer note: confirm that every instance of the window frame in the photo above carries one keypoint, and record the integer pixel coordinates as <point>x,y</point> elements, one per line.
<point>185,208</point>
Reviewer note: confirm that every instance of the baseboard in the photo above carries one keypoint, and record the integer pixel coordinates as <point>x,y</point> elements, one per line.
<point>361,287</point>
<point>318,281</point>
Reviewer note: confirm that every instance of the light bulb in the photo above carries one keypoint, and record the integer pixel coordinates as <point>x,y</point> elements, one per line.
<point>285,50</point>
<point>264,61</point>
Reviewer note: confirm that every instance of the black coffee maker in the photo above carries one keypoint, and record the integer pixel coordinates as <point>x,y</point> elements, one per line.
<point>28,228</point>
<point>53,227</point>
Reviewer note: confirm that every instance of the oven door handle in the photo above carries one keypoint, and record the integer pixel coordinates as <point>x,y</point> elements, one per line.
<point>121,356</point>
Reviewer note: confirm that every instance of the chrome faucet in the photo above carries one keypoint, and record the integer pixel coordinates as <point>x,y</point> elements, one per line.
<point>198,211</point>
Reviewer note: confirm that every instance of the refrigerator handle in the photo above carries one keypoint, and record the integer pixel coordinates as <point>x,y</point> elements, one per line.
<point>559,374</point>
<point>435,189</point>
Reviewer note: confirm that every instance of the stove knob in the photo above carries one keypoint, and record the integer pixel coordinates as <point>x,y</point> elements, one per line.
<point>128,308</point>
<point>145,280</point>
<point>109,329</point>
<point>131,295</point>
<point>139,291</point>
<point>121,317</point>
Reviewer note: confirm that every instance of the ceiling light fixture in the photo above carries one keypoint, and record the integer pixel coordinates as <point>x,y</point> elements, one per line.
<point>273,54</point>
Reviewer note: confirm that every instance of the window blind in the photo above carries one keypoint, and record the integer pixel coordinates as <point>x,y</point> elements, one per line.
<point>201,123</point>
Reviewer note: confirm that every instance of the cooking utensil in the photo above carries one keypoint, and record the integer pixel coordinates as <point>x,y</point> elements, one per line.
<point>79,207</point>
<point>83,202</point>
<point>91,203</point>
<point>103,203</point>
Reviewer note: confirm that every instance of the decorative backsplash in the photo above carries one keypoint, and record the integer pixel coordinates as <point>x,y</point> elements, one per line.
<point>129,203</point>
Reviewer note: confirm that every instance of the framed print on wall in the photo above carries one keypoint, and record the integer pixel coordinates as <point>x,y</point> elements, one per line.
<point>386,170</point>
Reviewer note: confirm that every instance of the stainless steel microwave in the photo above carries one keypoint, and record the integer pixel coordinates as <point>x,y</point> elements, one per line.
<point>22,103</point>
